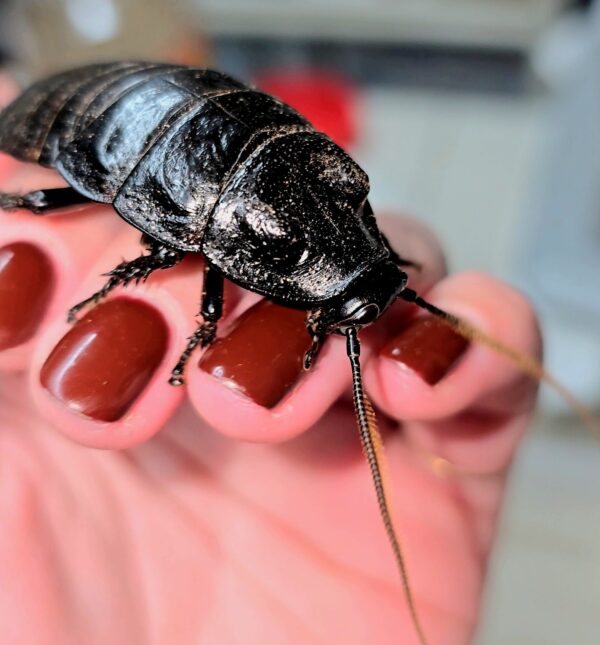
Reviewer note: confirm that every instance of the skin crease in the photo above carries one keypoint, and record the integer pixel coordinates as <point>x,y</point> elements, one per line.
<point>230,534</point>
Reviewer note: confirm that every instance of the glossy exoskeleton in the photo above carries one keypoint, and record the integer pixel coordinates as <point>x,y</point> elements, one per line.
<point>201,163</point>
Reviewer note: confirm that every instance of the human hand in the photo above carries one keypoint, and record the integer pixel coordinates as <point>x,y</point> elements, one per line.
<point>244,514</point>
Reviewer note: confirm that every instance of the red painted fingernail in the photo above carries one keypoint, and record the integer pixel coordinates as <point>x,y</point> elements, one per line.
<point>262,356</point>
<point>26,283</point>
<point>428,347</point>
<point>107,358</point>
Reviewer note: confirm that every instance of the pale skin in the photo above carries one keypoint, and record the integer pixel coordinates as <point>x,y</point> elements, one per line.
<point>209,519</point>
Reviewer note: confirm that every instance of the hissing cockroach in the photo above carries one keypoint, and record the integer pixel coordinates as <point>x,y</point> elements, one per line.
<point>201,163</point>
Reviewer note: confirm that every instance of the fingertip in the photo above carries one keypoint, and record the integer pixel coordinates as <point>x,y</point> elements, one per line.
<point>222,404</point>
<point>67,259</point>
<point>469,376</point>
<point>103,382</point>
<point>66,243</point>
<point>123,398</point>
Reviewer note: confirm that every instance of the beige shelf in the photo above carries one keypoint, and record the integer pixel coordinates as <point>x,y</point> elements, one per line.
<point>482,23</point>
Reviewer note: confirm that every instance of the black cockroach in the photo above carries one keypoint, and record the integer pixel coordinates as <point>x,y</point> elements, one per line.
<point>200,163</point>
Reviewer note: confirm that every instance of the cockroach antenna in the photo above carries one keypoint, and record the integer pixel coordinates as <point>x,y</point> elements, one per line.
<point>371,439</point>
<point>527,364</point>
<point>373,448</point>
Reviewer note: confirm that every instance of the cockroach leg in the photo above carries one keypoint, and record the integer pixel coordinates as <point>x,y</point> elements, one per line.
<point>44,201</point>
<point>316,331</point>
<point>211,311</point>
<point>138,270</point>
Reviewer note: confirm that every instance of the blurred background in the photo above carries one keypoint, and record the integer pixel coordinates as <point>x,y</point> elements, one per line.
<point>482,117</point>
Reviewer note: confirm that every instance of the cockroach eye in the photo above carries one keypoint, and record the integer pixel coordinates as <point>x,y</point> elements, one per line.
<point>363,316</point>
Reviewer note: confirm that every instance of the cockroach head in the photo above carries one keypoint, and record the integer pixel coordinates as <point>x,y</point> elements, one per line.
<point>366,297</point>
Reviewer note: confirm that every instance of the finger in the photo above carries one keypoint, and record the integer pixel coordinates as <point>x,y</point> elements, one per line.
<point>251,384</point>
<point>42,260</point>
<point>104,380</point>
<point>459,399</point>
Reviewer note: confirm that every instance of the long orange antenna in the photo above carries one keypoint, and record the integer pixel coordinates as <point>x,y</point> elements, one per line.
<point>524,362</point>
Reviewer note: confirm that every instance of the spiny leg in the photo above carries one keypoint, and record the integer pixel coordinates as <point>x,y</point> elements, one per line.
<point>40,202</point>
<point>211,311</point>
<point>160,257</point>
<point>316,330</point>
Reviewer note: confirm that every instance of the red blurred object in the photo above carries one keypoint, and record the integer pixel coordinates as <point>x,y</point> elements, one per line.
<point>328,101</point>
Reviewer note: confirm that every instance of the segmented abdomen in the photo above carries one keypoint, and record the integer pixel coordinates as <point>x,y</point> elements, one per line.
<point>156,140</point>
<point>57,110</point>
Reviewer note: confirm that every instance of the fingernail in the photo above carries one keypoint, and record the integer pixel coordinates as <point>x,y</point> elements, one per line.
<point>106,359</point>
<point>26,282</point>
<point>262,356</point>
<point>428,347</point>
